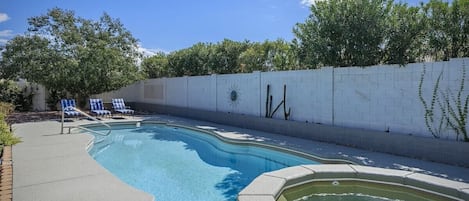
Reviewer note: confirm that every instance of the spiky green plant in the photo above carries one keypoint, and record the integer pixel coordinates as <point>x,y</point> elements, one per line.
<point>454,109</point>
<point>457,107</point>
<point>430,116</point>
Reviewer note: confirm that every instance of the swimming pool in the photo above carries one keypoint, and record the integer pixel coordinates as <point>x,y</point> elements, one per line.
<point>175,163</point>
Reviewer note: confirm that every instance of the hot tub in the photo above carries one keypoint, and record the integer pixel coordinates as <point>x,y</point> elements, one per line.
<point>337,182</point>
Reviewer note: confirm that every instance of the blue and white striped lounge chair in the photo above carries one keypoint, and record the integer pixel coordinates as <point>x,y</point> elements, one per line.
<point>97,107</point>
<point>67,107</point>
<point>119,106</point>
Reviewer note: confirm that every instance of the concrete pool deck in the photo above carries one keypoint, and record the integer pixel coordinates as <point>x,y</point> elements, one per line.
<point>51,166</point>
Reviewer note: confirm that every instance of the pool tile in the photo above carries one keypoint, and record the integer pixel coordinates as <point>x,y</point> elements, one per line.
<point>380,174</point>
<point>436,184</point>
<point>293,175</point>
<point>264,185</point>
<point>464,194</point>
<point>331,171</point>
<point>255,198</point>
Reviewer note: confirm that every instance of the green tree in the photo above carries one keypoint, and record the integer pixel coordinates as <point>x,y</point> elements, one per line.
<point>447,30</point>
<point>282,56</point>
<point>438,29</point>
<point>253,59</point>
<point>405,35</point>
<point>342,33</point>
<point>80,56</point>
<point>207,58</point>
<point>199,55</point>
<point>224,56</point>
<point>459,31</point>
<point>194,60</point>
<point>156,66</point>
<point>268,56</point>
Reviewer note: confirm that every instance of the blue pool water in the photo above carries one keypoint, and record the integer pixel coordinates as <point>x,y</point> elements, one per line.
<point>181,164</point>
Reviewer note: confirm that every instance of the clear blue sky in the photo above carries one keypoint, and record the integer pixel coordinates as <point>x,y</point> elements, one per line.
<point>170,25</point>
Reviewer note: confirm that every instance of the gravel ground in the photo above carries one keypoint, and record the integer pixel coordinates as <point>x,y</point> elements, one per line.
<point>23,117</point>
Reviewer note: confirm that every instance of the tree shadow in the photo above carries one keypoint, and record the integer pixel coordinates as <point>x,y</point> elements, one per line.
<point>232,184</point>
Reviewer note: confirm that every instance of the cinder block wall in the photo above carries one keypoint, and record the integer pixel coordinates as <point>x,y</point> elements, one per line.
<point>381,98</point>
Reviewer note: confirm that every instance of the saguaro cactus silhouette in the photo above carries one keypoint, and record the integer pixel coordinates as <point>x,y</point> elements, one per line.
<point>268,104</point>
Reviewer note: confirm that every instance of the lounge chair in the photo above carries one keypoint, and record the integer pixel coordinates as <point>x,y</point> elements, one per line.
<point>67,107</point>
<point>119,106</point>
<point>97,107</point>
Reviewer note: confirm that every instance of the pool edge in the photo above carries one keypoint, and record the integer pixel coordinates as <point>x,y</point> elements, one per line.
<point>270,185</point>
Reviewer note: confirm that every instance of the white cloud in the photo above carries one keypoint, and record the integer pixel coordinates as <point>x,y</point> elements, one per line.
<point>309,2</point>
<point>146,52</point>
<point>3,41</point>
<point>4,17</point>
<point>150,52</point>
<point>6,33</point>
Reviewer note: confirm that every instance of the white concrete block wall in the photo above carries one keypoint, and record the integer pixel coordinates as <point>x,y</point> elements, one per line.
<point>200,93</point>
<point>307,94</point>
<point>322,102</point>
<point>247,88</point>
<point>153,91</point>
<point>176,91</point>
<point>39,99</point>
<point>134,93</point>
<point>381,98</point>
<point>386,97</point>
<point>407,110</point>
<point>352,97</point>
<point>130,93</point>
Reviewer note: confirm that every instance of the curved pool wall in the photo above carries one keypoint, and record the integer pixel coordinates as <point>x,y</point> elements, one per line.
<point>210,138</point>
<point>437,150</point>
<point>223,139</point>
<point>270,186</point>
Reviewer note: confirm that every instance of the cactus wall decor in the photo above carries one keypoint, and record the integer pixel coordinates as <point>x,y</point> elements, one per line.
<point>268,104</point>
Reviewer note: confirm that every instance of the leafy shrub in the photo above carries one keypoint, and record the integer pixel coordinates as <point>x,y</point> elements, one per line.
<point>9,91</point>
<point>21,97</point>
<point>54,98</point>
<point>6,136</point>
<point>6,108</point>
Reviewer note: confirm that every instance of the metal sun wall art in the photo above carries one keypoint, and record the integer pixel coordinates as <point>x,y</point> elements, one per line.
<point>233,95</point>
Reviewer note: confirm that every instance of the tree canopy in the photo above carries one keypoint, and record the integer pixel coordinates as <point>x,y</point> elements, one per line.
<point>224,57</point>
<point>155,66</point>
<point>337,33</point>
<point>369,32</point>
<point>343,33</point>
<point>68,53</point>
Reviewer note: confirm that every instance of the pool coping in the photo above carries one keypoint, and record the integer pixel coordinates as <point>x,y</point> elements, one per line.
<point>270,185</point>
